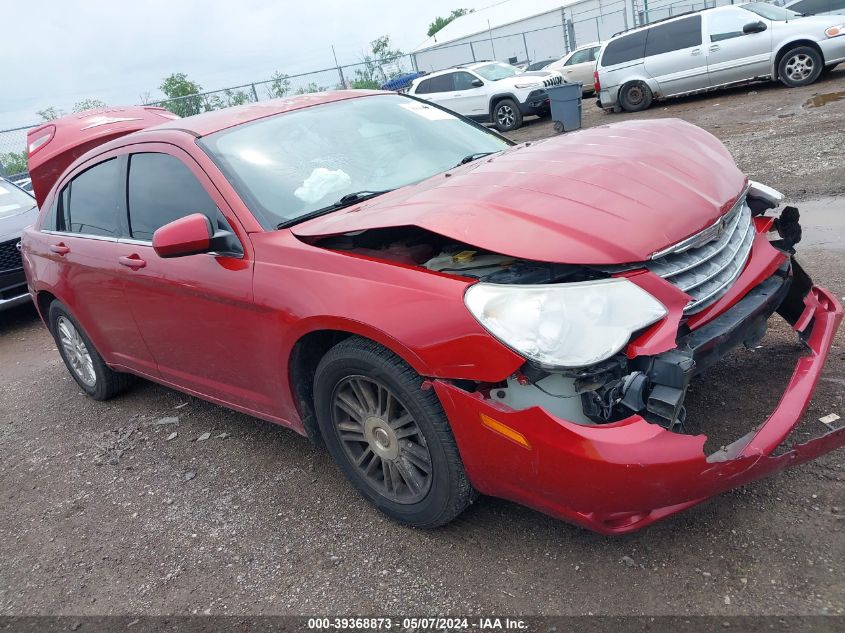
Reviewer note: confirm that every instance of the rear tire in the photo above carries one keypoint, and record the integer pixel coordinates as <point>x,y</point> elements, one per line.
<point>800,66</point>
<point>81,358</point>
<point>506,115</point>
<point>635,96</point>
<point>390,437</point>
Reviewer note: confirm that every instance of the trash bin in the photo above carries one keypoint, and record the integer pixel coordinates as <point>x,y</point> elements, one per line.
<point>565,102</point>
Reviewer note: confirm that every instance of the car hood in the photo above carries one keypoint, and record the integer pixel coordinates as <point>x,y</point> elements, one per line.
<point>606,195</point>
<point>12,226</point>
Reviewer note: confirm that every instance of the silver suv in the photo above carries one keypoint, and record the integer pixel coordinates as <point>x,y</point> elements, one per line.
<point>714,48</point>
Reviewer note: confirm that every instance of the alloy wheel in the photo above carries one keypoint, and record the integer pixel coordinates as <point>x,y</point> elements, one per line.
<point>382,439</point>
<point>505,116</point>
<point>76,351</point>
<point>799,67</point>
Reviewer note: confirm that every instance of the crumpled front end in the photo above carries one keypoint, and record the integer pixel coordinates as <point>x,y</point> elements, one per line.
<point>609,447</point>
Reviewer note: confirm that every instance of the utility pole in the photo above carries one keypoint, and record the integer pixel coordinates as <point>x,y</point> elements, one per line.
<point>490,33</point>
<point>339,69</point>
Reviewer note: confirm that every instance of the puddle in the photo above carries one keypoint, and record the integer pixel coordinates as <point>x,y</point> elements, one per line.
<point>824,99</point>
<point>822,223</point>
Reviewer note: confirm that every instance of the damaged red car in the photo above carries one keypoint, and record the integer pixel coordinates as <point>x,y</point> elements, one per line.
<point>448,312</point>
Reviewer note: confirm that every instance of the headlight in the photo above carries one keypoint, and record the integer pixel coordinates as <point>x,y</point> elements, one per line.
<point>564,325</point>
<point>531,85</point>
<point>833,31</point>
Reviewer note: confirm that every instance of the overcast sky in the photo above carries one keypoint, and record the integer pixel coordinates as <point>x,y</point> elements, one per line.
<point>58,52</point>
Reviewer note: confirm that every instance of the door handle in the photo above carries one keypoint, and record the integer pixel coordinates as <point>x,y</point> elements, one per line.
<point>695,51</point>
<point>132,261</point>
<point>60,248</point>
<point>715,47</point>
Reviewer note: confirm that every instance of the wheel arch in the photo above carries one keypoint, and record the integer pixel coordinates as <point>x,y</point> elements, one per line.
<point>785,48</point>
<point>43,299</point>
<point>501,96</point>
<point>310,347</point>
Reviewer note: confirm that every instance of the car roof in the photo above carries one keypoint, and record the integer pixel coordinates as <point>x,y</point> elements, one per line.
<point>678,16</point>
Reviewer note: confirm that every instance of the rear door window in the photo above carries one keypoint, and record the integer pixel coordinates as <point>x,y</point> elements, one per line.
<point>424,87</point>
<point>89,204</point>
<point>625,49</point>
<point>442,83</point>
<point>673,36</point>
<point>162,189</point>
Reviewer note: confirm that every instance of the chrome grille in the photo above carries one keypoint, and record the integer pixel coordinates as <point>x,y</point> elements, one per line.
<point>705,265</point>
<point>10,257</point>
<point>553,81</point>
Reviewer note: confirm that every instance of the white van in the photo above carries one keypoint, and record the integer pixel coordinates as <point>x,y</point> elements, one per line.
<point>714,48</point>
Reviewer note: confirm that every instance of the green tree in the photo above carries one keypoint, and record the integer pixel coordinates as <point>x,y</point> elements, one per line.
<point>311,87</point>
<point>279,85</point>
<point>372,75</point>
<point>183,95</point>
<point>49,114</point>
<point>440,22</point>
<point>14,162</point>
<point>88,104</point>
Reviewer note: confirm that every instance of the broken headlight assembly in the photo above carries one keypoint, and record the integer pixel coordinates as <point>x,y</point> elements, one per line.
<point>564,325</point>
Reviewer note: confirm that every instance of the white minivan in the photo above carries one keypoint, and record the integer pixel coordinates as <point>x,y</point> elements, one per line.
<point>713,48</point>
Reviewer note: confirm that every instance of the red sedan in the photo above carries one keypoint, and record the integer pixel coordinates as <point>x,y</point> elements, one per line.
<point>448,312</point>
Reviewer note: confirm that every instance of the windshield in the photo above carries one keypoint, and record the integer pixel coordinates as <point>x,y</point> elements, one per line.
<point>290,165</point>
<point>771,12</point>
<point>497,71</point>
<point>13,201</point>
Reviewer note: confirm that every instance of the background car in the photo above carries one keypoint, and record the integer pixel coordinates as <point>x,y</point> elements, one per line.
<point>579,65</point>
<point>714,48</point>
<point>17,211</point>
<point>817,7</point>
<point>489,92</point>
<point>540,65</point>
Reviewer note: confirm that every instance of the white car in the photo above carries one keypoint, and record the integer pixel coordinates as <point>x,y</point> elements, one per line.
<point>579,65</point>
<point>489,92</point>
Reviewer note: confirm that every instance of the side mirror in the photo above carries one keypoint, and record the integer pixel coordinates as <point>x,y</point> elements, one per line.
<point>186,236</point>
<point>754,27</point>
<point>477,83</point>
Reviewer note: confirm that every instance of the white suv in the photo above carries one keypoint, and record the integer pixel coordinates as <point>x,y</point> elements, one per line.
<point>489,92</point>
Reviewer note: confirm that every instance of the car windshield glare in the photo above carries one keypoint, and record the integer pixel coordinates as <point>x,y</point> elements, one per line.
<point>497,71</point>
<point>771,12</point>
<point>13,201</point>
<point>295,164</point>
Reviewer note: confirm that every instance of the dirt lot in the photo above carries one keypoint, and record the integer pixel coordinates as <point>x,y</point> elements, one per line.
<point>101,513</point>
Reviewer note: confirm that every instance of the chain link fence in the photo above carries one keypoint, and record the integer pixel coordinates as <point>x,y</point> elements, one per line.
<point>13,152</point>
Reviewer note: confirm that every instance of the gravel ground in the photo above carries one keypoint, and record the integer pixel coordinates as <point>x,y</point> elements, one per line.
<point>119,508</point>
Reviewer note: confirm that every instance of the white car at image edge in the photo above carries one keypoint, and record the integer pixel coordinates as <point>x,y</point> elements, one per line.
<point>489,92</point>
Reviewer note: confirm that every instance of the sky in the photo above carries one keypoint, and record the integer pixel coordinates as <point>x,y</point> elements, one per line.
<point>58,52</point>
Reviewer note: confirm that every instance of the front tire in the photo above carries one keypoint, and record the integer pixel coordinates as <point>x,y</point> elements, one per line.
<point>800,66</point>
<point>81,358</point>
<point>635,96</point>
<point>389,437</point>
<point>506,115</point>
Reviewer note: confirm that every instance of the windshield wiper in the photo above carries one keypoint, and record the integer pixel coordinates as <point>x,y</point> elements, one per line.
<point>344,201</point>
<point>471,157</point>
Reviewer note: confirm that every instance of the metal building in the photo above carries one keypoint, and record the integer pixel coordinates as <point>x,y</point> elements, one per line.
<point>520,30</point>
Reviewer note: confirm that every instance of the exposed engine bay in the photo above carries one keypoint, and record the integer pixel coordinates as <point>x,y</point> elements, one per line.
<point>618,387</point>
